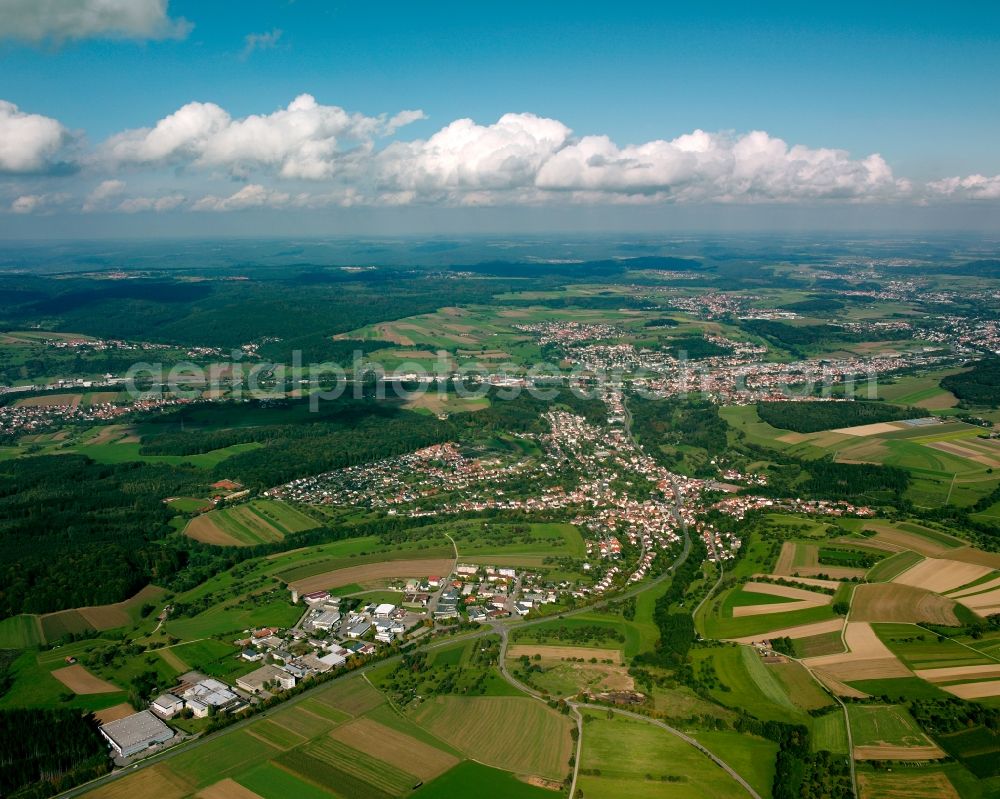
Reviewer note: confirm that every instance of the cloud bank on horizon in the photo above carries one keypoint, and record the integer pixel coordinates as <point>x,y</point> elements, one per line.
<point>311,155</point>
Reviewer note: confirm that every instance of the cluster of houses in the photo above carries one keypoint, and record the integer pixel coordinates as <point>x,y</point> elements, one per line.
<point>34,415</point>
<point>494,592</point>
<point>739,507</point>
<point>401,480</point>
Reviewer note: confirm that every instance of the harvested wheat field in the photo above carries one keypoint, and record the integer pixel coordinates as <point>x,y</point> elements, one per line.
<point>988,458</point>
<point>120,614</point>
<point>158,781</point>
<point>923,546</point>
<point>227,789</point>
<point>786,560</point>
<point>839,688</point>
<point>887,752</point>
<point>398,748</point>
<point>742,611</point>
<point>876,429</point>
<point>373,571</point>
<point>204,530</point>
<point>973,555</point>
<point>114,713</point>
<point>563,652</point>
<point>81,681</point>
<point>941,575</point>
<point>900,785</point>
<point>872,669</point>
<point>989,670</point>
<point>901,603</point>
<point>788,592</point>
<point>984,604</point>
<point>974,690</point>
<point>868,658</point>
<point>801,631</point>
<point>982,588</point>
<point>60,400</point>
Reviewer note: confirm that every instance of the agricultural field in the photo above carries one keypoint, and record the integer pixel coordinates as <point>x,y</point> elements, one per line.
<point>474,779</point>
<point>910,784</point>
<point>888,732</point>
<point>714,623</point>
<point>344,740</point>
<point>518,734</point>
<point>743,680</point>
<point>28,630</point>
<point>829,732</point>
<point>259,521</point>
<point>918,391</point>
<point>495,544</point>
<point>674,767</point>
<point>948,461</point>
<point>589,630</point>
<point>919,648</point>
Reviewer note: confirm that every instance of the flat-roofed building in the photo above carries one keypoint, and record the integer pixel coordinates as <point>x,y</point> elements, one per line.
<point>167,705</point>
<point>135,733</point>
<point>259,680</point>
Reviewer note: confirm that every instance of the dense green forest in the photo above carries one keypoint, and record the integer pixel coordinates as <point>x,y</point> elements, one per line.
<point>43,752</point>
<point>73,532</point>
<point>978,386</point>
<point>298,311</point>
<point>812,417</point>
<point>670,428</point>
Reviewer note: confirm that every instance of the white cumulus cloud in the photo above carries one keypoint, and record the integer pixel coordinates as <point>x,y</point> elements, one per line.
<point>61,20</point>
<point>466,156</point>
<point>972,187</point>
<point>98,199</point>
<point>719,167</point>
<point>303,141</point>
<point>28,142</point>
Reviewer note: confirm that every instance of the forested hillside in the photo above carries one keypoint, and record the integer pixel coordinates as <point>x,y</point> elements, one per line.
<point>811,417</point>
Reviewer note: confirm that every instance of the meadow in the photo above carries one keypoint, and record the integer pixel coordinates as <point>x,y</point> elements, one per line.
<point>659,764</point>
<point>747,682</point>
<point>518,734</point>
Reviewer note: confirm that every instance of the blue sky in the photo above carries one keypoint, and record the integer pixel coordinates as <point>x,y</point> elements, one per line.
<point>914,82</point>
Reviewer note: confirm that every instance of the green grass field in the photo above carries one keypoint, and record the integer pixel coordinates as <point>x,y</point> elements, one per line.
<point>752,685</point>
<point>587,629</point>
<point>751,757</point>
<point>515,733</point>
<point>475,779</point>
<point>830,733</point>
<point>659,764</point>
<point>893,566</point>
<point>271,782</point>
<point>234,617</point>
<point>712,624</point>
<point>20,632</point>
<point>563,540</point>
<point>123,452</point>
<point>888,724</point>
<point>921,649</point>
